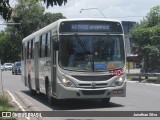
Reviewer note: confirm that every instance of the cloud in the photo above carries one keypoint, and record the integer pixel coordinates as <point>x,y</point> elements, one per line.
<point>127,10</point>
<point>133,10</point>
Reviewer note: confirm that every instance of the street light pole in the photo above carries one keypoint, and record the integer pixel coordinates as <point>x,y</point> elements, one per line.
<point>1,81</point>
<point>10,23</point>
<point>91,9</point>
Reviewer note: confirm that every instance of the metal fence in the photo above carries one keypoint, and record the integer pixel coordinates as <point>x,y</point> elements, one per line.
<point>145,75</point>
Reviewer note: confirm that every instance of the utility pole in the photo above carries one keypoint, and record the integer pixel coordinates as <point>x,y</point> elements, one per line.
<point>1,82</point>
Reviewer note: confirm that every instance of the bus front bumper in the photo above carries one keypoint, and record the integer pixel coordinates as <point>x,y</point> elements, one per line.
<point>94,93</point>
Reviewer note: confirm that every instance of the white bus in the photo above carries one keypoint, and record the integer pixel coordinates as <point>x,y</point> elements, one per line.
<point>76,59</point>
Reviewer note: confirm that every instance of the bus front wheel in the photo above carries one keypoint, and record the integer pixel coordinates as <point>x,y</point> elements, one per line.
<point>48,92</point>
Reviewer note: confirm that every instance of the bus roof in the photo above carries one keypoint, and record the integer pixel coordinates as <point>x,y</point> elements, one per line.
<point>56,23</point>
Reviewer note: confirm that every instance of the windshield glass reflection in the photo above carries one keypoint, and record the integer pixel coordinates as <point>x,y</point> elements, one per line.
<point>91,53</point>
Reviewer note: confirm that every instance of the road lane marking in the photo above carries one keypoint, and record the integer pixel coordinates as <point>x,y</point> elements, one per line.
<point>19,105</point>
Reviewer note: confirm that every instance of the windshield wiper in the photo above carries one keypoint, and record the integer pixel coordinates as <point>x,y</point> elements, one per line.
<point>104,43</point>
<point>91,60</point>
<point>80,42</point>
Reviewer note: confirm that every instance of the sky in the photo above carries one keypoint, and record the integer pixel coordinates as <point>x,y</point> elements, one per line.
<point>125,10</point>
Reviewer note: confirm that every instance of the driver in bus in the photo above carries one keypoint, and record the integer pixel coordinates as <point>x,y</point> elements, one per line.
<point>72,58</point>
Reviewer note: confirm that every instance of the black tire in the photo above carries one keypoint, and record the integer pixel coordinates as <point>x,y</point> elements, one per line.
<point>32,92</point>
<point>50,98</point>
<point>48,92</point>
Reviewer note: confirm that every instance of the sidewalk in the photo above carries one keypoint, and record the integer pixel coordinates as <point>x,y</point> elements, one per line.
<point>151,79</point>
<point>136,70</point>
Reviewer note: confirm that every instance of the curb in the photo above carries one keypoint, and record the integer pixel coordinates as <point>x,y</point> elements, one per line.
<point>20,100</point>
<point>17,103</point>
<point>29,106</point>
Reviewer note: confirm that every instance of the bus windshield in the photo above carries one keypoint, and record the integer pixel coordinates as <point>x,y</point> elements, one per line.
<point>91,52</point>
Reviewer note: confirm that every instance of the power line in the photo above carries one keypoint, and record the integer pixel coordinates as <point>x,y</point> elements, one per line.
<point>110,17</point>
<point>91,9</point>
<point>125,16</point>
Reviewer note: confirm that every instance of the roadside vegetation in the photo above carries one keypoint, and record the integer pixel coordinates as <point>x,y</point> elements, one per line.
<point>32,17</point>
<point>146,37</point>
<point>6,10</point>
<point>5,104</point>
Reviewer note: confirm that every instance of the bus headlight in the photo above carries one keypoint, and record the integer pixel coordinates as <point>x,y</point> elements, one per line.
<point>118,82</point>
<point>66,82</point>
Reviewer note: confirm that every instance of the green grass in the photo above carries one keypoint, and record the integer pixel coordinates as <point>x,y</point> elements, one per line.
<point>4,104</point>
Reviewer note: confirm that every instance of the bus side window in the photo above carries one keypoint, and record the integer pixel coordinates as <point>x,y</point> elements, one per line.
<point>47,46</point>
<point>32,48</point>
<point>42,45</point>
<point>22,52</point>
<point>28,49</point>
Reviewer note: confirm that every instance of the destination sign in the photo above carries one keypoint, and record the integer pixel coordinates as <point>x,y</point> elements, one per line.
<point>90,26</point>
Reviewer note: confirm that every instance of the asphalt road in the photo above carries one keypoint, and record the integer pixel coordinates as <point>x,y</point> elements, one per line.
<point>140,97</point>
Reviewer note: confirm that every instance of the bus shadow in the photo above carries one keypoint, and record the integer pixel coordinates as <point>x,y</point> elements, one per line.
<point>73,104</point>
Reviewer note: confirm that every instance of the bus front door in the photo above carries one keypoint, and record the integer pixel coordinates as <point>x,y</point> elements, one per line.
<point>54,68</point>
<point>36,61</point>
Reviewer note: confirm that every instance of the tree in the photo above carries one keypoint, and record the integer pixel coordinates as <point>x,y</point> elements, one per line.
<point>29,14</point>
<point>10,45</point>
<point>6,10</point>
<point>3,39</point>
<point>53,2</point>
<point>146,35</point>
<point>32,18</point>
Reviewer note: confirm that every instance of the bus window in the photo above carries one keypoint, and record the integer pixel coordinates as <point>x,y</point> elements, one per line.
<point>22,52</point>
<point>47,46</point>
<point>42,45</point>
<point>91,51</point>
<point>29,50</point>
<point>32,48</point>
